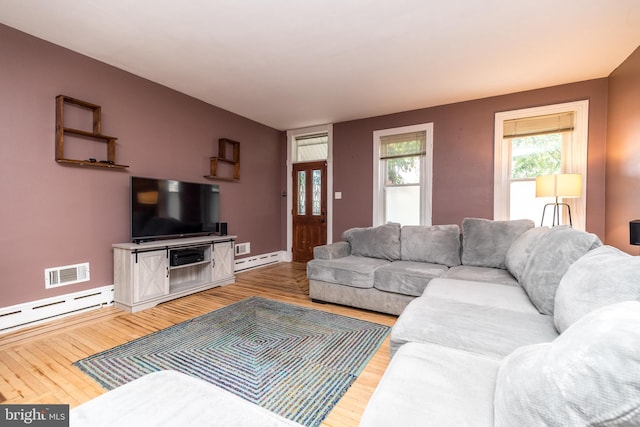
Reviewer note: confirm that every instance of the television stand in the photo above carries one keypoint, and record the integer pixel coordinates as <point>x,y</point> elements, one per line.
<point>146,274</point>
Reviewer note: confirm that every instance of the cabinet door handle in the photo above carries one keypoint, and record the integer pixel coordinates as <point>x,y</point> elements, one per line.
<point>213,263</point>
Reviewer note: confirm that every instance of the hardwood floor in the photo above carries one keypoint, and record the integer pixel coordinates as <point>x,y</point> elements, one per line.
<point>35,363</point>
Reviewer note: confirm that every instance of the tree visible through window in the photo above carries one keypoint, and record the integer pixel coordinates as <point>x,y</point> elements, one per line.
<point>532,156</point>
<point>536,155</point>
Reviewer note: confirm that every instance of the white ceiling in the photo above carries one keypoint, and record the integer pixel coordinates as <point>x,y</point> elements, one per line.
<point>296,63</point>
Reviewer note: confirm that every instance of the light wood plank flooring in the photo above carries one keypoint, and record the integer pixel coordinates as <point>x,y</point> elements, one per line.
<point>35,363</point>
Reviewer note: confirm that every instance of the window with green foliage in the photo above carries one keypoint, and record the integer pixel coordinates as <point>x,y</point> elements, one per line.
<point>536,155</point>
<point>404,186</point>
<point>539,141</point>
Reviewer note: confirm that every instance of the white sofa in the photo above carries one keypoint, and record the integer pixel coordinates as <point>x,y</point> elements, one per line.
<point>480,354</point>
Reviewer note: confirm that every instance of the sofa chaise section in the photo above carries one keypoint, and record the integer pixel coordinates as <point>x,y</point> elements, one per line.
<point>479,325</point>
<point>589,375</point>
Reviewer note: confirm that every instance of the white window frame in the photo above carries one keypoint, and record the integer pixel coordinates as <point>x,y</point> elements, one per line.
<point>291,136</point>
<point>426,172</point>
<point>502,156</point>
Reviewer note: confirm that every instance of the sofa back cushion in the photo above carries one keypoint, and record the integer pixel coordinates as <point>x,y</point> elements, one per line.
<point>550,260</point>
<point>437,244</point>
<point>589,375</point>
<point>485,243</point>
<point>520,250</point>
<point>603,276</point>
<point>375,242</point>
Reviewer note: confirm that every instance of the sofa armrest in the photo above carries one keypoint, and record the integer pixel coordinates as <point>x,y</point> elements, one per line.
<point>332,250</point>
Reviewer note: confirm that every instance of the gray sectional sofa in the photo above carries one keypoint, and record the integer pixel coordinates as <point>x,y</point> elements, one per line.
<point>532,327</point>
<point>384,268</point>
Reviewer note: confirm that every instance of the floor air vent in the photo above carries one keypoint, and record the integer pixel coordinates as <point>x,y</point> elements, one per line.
<point>66,275</point>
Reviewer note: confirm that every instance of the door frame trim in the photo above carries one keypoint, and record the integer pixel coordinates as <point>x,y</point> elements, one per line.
<point>291,134</point>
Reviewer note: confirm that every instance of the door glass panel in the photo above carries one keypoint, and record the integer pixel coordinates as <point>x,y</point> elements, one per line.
<point>317,192</point>
<point>302,192</point>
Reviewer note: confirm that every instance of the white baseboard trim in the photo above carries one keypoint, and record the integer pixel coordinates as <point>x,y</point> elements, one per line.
<point>243,264</point>
<point>35,312</point>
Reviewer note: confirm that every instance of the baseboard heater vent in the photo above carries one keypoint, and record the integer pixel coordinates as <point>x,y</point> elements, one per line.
<point>66,275</point>
<point>258,261</point>
<point>35,312</point>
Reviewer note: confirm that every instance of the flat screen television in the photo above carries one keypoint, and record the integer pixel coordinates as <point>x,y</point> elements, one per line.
<point>166,209</point>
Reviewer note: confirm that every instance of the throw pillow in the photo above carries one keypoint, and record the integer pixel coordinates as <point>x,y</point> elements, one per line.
<point>485,243</point>
<point>549,261</point>
<point>588,376</point>
<point>518,253</point>
<point>603,276</point>
<point>375,242</point>
<point>439,244</point>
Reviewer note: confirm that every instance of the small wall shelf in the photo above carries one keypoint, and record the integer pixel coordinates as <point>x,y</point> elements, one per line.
<point>232,159</point>
<point>95,134</point>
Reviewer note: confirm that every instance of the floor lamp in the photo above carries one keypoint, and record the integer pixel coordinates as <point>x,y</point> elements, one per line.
<point>564,185</point>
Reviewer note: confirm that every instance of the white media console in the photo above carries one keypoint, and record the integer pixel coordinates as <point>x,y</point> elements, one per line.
<point>146,274</point>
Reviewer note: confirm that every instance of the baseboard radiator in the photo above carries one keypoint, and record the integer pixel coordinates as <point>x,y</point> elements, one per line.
<point>35,312</point>
<point>258,261</point>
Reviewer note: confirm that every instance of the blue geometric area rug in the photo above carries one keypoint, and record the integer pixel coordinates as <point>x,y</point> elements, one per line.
<point>294,361</point>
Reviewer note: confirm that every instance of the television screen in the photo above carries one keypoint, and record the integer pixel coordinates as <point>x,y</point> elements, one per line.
<point>162,208</point>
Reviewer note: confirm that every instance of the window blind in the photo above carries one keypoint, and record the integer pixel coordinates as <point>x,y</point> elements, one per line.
<point>539,125</point>
<point>311,147</point>
<point>403,145</point>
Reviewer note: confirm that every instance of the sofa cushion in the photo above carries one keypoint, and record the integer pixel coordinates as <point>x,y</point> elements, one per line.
<point>603,276</point>
<point>375,242</point>
<point>351,270</point>
<point>512,298</point>
<point>589,375</point>
<point>406,277</point>
<point>491,331</point>
<point>439,244</point>
<point>550,260</point>
<point>520,250</point>
<point>485,243</point>
<point>432,385</point>
<point>481,274</point>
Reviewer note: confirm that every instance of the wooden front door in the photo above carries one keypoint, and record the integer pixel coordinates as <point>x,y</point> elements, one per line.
<point>309,208</point>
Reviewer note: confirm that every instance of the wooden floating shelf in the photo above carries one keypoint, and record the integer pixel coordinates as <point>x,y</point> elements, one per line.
<point>222,178</point>
<point>233,160</point>
<point>96,134</point>
<point>92,164</point>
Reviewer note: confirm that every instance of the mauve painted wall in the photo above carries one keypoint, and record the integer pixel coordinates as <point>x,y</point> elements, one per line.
<point>623,153</point>
<point>53,215</point>
<point>462,155</point>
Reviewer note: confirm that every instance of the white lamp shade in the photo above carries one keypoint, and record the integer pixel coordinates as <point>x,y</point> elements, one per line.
<point>567,185</point>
